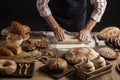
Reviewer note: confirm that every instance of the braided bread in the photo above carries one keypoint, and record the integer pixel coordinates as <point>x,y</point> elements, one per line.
<point>5,52</point>
<point>18,28</point>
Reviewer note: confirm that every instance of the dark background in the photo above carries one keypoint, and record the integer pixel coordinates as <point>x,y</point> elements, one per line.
<point>25,11</point>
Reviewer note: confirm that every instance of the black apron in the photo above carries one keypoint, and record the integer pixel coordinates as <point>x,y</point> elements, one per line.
<point>70,14</point>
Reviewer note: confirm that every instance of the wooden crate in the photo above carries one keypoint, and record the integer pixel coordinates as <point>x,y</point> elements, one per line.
<point>90,75</point>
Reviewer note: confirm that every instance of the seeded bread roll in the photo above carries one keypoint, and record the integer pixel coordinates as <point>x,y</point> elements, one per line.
<point>108,32</point>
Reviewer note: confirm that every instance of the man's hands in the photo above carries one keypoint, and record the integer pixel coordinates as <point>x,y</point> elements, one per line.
<point>59,33</point>
<point>85,32</point>
<point>84,35</point>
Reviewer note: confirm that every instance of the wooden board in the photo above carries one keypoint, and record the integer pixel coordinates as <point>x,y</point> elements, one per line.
<point>90,75</point>
<point>59,75</point>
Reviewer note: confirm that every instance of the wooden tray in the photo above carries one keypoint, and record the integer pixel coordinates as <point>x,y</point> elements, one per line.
<point>16,74</point>
<point>118,67</point>
<point>59,75</point>
<point>90,75</point>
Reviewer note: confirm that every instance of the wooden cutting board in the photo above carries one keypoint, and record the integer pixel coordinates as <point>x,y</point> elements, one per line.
<point>71,39</point>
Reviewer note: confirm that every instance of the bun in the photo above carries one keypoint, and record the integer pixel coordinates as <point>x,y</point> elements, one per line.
<point>5,52</point>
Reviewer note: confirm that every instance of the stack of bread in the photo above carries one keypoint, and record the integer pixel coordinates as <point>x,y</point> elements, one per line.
<point>17,28</point>
<point>10,49</point>
<point>15,35</point>
<point>114,41</point>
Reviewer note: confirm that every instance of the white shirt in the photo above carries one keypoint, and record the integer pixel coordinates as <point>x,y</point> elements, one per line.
<point>99,8</point>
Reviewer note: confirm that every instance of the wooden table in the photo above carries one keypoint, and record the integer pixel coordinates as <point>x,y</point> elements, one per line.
<point>37,75</point>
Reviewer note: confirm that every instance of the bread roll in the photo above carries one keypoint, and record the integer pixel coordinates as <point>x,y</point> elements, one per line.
<point>15,48</point>
<point>5,52</point>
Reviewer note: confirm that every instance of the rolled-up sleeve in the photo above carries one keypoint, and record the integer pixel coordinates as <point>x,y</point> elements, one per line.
<point>42,6</point>
<point>99,9</point>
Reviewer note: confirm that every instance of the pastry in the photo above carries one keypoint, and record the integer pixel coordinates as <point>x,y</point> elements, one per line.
<point>30,47</point>
<point>5,52</point>
<point>41,44</point>
<point>34,40</point>
<point>7,67</point>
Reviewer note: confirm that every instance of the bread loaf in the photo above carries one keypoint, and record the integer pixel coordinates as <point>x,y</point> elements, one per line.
<point>57,65</point>
<point>77,55</point>
<point>18,28</point>
<point>5,52</point>
<point>108,32</point>
<point>15,48</point>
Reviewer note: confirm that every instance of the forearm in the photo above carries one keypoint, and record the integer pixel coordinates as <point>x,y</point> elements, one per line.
<point>90,24</point>
<point>51,21</point>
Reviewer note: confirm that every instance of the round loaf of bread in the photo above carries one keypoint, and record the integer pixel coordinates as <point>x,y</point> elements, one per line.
<point>78,55</point>
<point>57,65</point>
<point>107,52</point>
<point>108,32</point>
